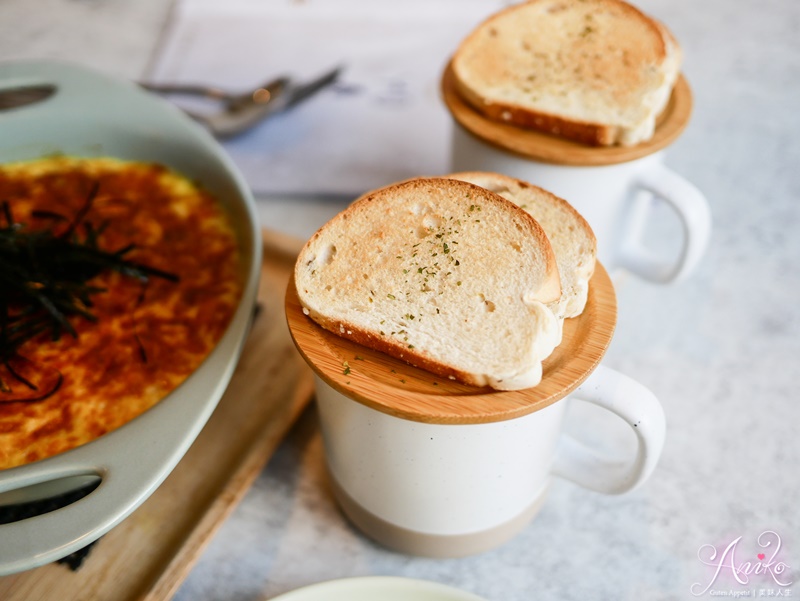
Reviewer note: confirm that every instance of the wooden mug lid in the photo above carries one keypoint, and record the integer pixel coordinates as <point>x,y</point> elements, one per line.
<point>548,148</point>
<point>397,388</point>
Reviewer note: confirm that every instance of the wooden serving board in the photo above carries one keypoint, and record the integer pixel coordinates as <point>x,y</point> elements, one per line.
<point>561,151</point>
<point>148,555</point>
<point>397,388</point>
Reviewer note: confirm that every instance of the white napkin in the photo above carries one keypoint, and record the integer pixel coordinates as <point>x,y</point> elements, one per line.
<point>382,122</point>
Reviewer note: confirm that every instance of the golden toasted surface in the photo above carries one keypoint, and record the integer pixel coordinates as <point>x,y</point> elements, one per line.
<point>148,337</point>
<point>440,273</point>
<point>598,71</point>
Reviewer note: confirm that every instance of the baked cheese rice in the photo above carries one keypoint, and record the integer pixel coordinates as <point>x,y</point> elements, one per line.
<point>132,338</point>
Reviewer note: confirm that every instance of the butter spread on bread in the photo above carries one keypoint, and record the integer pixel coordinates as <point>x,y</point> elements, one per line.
<point>571,237</point>
<point>440,273</point>
<point>596,71</point>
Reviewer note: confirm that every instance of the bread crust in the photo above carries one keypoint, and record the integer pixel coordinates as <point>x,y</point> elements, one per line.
<point>590,132</point>
<point>507,179</point>
<point>399,351</point>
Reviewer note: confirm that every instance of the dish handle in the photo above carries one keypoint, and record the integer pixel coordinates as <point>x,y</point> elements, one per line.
<point>131,464</point>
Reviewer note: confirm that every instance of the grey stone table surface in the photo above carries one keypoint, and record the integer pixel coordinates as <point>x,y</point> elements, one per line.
<point>720,349</point>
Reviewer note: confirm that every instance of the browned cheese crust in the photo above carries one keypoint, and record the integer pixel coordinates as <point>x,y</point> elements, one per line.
<point>147,338</point>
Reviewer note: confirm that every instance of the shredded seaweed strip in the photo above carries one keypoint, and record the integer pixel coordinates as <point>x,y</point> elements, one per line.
<point>45,281</point>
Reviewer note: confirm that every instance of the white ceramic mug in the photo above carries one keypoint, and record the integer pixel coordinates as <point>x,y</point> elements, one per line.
<point>448,490</point>
<point>615,199</point>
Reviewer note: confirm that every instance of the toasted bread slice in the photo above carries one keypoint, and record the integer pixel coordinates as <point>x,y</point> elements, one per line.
<point>440,273</point>
<point>596,71</point>
<point>571,237</point>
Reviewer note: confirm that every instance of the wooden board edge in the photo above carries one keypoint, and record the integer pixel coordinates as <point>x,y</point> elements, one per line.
<point>282,247</point>
<point>229,497</point>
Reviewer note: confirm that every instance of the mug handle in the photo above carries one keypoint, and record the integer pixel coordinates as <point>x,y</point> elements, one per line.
<point>636,405</point>
<point>692,209</point>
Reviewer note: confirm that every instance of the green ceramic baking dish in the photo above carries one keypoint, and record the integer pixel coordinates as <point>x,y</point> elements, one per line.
<point>94,115</point>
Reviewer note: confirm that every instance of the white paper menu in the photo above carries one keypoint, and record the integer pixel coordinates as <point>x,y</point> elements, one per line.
<point>381,122</point>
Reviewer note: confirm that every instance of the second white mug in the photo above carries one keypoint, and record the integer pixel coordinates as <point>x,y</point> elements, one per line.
<point>615,199</point>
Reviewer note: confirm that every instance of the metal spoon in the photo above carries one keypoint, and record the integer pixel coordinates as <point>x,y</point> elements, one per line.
<point>258,95</point>
<point>243,111</point>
